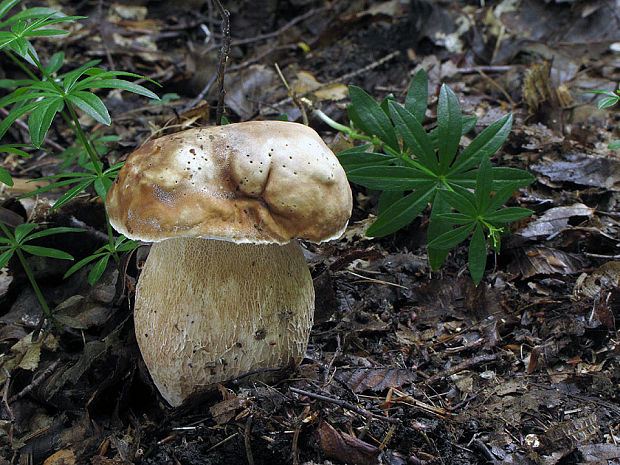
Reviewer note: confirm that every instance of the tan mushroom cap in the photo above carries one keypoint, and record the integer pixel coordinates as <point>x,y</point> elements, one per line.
<point>256,182</point>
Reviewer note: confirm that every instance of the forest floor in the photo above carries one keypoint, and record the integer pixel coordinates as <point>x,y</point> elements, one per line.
<point>404,365</point>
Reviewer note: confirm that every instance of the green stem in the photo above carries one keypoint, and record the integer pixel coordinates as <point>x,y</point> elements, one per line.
<point>375,141</point>
<point>33,283</point>
<point>22,66</point>
<point>111,237</point>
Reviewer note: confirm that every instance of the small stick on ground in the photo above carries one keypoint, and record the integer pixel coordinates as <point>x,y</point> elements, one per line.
<point>221,67</point>
<point>463,366</point>
<point>248,448</point>
<point>35,382</point>
<point>5,403</point>
<point>345,404</point>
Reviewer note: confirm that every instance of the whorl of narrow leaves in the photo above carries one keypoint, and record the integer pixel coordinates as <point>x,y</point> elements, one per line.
<point>414,168</point>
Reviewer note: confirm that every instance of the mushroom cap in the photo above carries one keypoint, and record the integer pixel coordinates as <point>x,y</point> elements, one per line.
<point>252,182</point>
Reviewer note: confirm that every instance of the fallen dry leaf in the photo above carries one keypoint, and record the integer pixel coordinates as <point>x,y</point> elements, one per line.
<point>346,448</point>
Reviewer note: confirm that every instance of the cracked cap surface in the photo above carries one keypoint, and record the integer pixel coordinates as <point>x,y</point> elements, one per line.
<point>256,182</point>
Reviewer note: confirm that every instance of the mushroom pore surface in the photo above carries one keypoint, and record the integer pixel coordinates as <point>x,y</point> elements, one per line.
<point>207,311</point>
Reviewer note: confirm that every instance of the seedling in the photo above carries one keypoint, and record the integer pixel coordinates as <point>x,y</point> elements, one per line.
<point>413,167</point>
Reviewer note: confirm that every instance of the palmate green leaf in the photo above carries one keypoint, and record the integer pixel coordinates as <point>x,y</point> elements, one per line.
<point>477,259</point>
<point>91,105</point>
<point>22,230</point>
<point>46,252</point>
<point>484,184</point>
<point>402,212</point>
<point>41,117</point>
<point>614,145</point>
<point>5,257</point>
<point>484,144</point>
<point>452,237</point>
<point>416,100</point>
<point>389,178</point>
<point>15,149</point>
<point>414,136</point>
<point>449,127</point>
<point>122,246</point>
<point>508,215</point>
<point>374,119</point>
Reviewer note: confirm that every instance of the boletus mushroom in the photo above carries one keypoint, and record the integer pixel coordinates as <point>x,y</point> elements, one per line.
<point>225,290</point>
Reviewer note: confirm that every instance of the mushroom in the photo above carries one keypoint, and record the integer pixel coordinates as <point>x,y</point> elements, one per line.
<point>225,290</point>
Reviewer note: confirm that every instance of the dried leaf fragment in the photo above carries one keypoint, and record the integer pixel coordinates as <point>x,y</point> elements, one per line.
<point>346,448</point>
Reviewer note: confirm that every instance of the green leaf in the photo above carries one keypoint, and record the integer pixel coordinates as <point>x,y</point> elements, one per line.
<point>456,218</point>
<point>389,178</point>
<point>484,144</point>
<point>414,136</point>
<point>5,257</point>
<point>22,230</point>
<point>129,245</point>
<point>13,115</point>
<point>614,145</point>
<point>373,117</point>
<point>477,254</point>
<point>484,183</point>
<point>502,175</point>
<point>459,202</point>
<point>102,185</point>
<point>449,126</point>
<point>508,215</point>
<point>417,96</point>
<point>70,194</point>
<point>91,105</point>
<point>55,62</point>
<point>117,84</point>
<point>500,197</point>
<point>387,199</point>
<point>352,158</point>
<point>436,227</point>
<point>452,238</point>
<point>402,212</point>
<point>6,5</point>
<point>51,231</point>
<point>98,270</point>
<point>469,122</point>
<point>71,77</point>
<point>5,177</point>
<point>41,117</point>
<point>46,33</point>
<point>46,252</point>
<point>82,263</point>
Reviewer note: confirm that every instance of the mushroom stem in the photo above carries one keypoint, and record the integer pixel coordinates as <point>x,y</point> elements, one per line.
<point>208,311</point>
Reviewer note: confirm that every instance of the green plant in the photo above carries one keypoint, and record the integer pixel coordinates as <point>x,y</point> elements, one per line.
<point>43,94</point>
<point>413,167</point>
<point>609,100</point>
<point>17,243</point>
